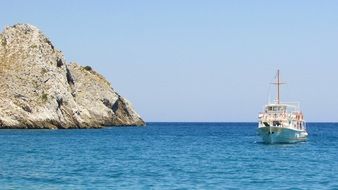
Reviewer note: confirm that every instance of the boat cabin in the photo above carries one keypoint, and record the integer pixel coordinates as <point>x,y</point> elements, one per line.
<point>275,108</point>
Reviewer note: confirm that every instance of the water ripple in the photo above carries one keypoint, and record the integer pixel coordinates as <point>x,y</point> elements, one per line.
<point>167,156</point>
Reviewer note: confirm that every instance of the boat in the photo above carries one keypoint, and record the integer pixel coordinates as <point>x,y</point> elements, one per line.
<point>281,122</point>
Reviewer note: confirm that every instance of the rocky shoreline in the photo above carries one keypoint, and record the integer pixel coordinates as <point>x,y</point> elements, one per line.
<point>39,89</point>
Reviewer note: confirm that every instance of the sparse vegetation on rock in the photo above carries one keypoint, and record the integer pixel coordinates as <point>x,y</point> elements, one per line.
<point>88,68</point>
<point>44,97</point>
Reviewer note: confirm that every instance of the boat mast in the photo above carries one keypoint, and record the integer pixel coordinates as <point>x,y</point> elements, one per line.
<point>278,83</point>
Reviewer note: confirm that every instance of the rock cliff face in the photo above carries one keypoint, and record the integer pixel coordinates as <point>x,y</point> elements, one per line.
<point>38,89</point>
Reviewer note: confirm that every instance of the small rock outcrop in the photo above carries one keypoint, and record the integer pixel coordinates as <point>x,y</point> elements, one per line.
<point>39,89</point>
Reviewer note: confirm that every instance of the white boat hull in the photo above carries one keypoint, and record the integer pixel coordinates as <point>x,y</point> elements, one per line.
<point>277,134</point>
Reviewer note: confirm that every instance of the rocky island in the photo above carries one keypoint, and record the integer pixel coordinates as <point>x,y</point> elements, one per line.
<point>39,89</point>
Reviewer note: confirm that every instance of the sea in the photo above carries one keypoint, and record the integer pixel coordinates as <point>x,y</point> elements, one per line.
<point>167,156</point>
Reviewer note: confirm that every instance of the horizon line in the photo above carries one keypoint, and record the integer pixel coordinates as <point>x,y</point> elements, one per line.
<point>227,121</point>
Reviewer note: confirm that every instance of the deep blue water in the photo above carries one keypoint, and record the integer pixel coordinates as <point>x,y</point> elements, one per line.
<point>167,156</point>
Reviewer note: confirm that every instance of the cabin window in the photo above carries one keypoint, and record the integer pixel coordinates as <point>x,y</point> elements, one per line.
<point>275,108</point>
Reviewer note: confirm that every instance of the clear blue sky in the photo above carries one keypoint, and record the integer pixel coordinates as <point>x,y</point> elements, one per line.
<point>198,60</point>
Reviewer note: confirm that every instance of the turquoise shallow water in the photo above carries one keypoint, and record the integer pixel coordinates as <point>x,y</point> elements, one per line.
<point>167,156</point>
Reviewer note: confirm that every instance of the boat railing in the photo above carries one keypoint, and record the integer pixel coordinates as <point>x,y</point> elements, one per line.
<point>295,105</point>
<point>285,116</point>
<point>274,117</point>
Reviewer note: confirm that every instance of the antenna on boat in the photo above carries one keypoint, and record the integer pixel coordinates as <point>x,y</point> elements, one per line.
<point>278,83</point>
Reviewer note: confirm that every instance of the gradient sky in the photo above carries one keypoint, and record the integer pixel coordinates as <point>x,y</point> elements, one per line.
<point>198,60</point>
